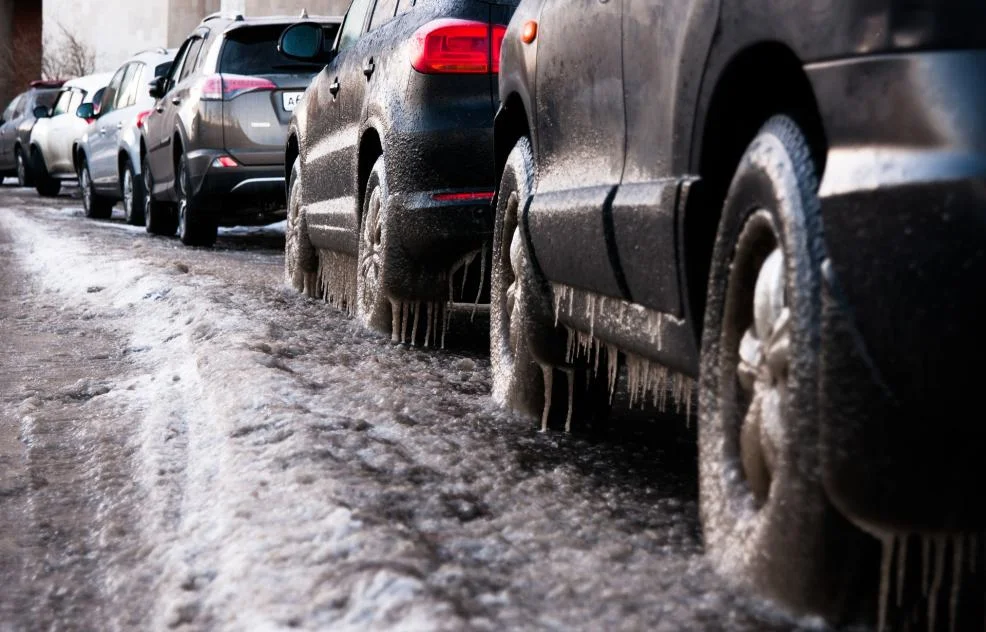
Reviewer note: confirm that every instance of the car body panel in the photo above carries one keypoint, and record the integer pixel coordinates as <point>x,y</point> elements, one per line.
<point>15,131</point>
<point>54,138</point>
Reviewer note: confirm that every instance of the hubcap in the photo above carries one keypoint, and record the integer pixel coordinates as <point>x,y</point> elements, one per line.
<point>128,192</point>
<point>21,170</point>
<point>369,265</point>
<point>763,353</point>
<point>86,188</point>
<point>512,274</point>
<point>147,197</point>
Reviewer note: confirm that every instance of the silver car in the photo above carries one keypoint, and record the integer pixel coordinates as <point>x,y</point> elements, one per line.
<point>107,157</point>
<point>57,131</point>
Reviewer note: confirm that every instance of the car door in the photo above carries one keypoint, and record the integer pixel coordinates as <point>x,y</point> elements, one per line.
<point>101,154</point>
<point>162,126</point>
<point>581,141</point>
<point>334,133</point>
<point>662,42</point>
<point>8,132</point>
<point>60,125</point>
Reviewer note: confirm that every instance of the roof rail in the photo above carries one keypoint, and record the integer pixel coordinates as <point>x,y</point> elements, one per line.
<point>236,16</point>
<point>160,50</point>
<point>47,83</point>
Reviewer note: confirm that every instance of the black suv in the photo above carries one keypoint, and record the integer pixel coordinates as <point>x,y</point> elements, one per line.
<point>214,143</point>
<point>782,206</point>
<point>15,129</point>
<point>390,159</point>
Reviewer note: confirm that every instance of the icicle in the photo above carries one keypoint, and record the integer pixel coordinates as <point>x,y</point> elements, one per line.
<point>885,562</point>
<point>901,568</point>
<point>940,545</point>
<point>660,331</point>
<point>925,564</point>
<point>429,317</point>
<point>570,375</point>
<point>405,308</point>
<point>414,328</point>
<point>448,319</point>
<point>395,320</point>
<point>559,292</point>
<point>546,371</point>
<point>482,282</point>
<point>612,369</point>
<point>953,600</point>
<point>571,297</point>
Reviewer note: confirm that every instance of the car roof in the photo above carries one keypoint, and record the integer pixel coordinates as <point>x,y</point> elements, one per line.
<point>154,56</point>
<point>90,82</point>
<point>226,23</point>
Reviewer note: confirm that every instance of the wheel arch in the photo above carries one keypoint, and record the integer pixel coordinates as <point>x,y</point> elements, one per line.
<point>511,124</point>
<point>760,81</point>
<point>370,149</point>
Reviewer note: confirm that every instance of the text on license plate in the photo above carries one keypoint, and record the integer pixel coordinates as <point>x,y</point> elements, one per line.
<point>291,100</point>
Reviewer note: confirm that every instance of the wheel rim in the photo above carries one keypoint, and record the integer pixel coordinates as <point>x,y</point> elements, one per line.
<point>128,193</point>
<point>510,275</point>
<point>182,200</point>
<point>147,196</point>
<point>86,189</point>
<point>371,252</point>
<point>756,348</point>
<point>21,169</point>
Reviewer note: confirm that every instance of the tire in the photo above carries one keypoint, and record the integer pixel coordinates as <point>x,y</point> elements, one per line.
<point>24,176</point>
<point>767,521</point>
<point>45,185</point>
<point>373,309</point>
<point>159,218</point>
<point>300,257</point>
<point>520,319</point>
<point>94,205</point>
<point>193,228</point>
<point>132,195</point>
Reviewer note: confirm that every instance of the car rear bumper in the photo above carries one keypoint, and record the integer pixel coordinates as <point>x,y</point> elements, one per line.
<point>236,191</point>
<point>904,211</point>
<point>428,239</point>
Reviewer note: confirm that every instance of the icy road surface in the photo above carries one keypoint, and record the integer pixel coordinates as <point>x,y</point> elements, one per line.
<point>186,443</point>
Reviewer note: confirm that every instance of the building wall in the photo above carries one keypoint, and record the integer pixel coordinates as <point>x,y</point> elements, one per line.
<point>20,46</point>
<point>7,90</point>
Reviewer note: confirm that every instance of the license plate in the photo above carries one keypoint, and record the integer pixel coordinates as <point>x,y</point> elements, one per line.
<point>291,100</point>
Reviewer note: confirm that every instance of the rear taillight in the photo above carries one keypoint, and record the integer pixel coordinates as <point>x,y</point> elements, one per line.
<point>457,47</point>
<point>472,196</point>
<point>226,87</point>
<point>143,117</point>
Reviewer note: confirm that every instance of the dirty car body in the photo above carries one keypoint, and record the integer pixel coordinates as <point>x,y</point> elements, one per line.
<point>431,127</point>
<point>636,139</point>
<point>16,123</point>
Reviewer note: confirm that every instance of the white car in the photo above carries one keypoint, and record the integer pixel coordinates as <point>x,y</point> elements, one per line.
<point>58,130</point>
<point>107,157</point>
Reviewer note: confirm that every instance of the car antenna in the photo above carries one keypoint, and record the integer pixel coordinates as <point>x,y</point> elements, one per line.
<point>304,14</point>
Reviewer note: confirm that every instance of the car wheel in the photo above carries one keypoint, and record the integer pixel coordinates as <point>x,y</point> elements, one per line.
<point>518,380</point>
<point>45,185</point>
<point>24,176</point>
<point>300,258</point>
<point>373,307</point>
<point>193,229</point>
<point>94,205</point>
<point>159,218</point>
<point>766,518</point>
<point>132,192</point>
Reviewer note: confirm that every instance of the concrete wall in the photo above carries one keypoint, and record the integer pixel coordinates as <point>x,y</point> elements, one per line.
<point>7,90</point>
<point>20,46</point>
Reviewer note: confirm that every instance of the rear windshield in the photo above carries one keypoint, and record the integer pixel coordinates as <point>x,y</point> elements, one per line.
<point>45,98</point>
<point>252,50</point>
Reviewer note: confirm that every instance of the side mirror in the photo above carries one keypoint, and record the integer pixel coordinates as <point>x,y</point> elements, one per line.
<point>302,41</point>
<point>156,88</point>
<point>86,111</point>
<point>41,112</point>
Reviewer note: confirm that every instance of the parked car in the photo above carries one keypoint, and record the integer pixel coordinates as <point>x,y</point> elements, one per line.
<point>390,160</point>
<point>107,157</point>
<point>784,210</point>
<point>57,132</point>
<point>16,123</point>
<point>215,144</point>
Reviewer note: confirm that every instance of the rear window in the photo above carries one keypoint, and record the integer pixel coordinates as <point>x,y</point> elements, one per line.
<point>252,50</point>
<point>45,98</point>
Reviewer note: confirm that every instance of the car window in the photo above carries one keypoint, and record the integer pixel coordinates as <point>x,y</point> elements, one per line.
<point>177,65</point>
<point>253,51</point>
<point>109,101</point>
<point>162,69</point>
<point>352,27</point>
<point>383,12</point>
<point>41,97</point>
<point>63,102</point>
<point>8,114</point>
<point>76,100</point>
<point>191,59</point>
<point>130,85</point>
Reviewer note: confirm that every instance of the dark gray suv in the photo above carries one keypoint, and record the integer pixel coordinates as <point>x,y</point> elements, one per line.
<point>213,147</point>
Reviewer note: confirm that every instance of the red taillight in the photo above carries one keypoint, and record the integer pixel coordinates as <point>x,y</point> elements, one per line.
<point>226,87</point>
<point>458,47</point>
<point>143,117</point>
<point>225,162</point>
<point>463,197</point>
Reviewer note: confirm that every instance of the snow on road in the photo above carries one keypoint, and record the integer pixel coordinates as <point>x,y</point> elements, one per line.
<point>239,457</point>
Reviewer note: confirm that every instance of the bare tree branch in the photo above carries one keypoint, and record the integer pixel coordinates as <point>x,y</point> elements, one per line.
<point>67,56</point>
